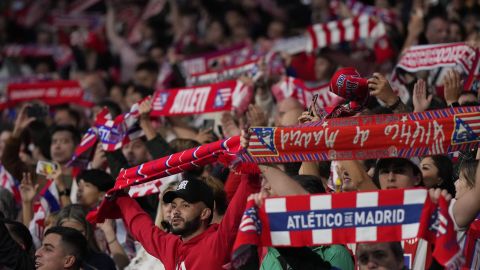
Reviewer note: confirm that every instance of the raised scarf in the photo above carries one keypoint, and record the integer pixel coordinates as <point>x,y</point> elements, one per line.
<point>223,96</point>
<point>362,27</point>
<point>343,218</point>
<point>290,87</point>
<point>428,57</point>
<point>50,92</point>
<point>367,137</point>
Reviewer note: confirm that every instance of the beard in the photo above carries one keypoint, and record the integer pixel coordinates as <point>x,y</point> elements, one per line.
<point>188,228</point>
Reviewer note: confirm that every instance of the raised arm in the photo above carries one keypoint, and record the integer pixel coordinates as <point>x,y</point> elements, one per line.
<point>381,89</point>
<point>155,241</point>
<point>467,207</point>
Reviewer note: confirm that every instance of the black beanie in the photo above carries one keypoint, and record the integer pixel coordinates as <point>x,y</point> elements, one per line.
<point>102,180</point>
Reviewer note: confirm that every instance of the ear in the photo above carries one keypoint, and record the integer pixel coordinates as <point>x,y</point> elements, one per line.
<point>101,196</point>
<point>206,213</point>
<point>69,261</point>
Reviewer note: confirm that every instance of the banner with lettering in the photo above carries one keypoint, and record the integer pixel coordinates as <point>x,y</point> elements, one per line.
<point>296,88</point>
<point>50,92</point>
<point>367,137</point>
<point>218,60</point>
<point>223,96</point>
<point>342,218</point>
<point>428,57</point>
<point>249,68</point>
<point>62,54</point>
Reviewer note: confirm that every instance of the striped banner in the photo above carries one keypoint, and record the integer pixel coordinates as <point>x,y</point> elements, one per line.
<point>428,57</point>
<point>363,27</point>
<point>345,218</point>
<point>349,217</point>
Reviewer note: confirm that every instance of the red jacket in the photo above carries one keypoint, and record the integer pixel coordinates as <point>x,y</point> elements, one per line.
<point>209,250</point>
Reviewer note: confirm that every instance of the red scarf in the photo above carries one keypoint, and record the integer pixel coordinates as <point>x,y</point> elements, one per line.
<point>50,92</point>
<point>223,96</point>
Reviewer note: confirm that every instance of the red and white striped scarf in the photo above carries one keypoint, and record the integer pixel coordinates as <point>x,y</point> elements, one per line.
<point>296,88</point>
<point>115,133</point>
<point>428,57</point>
<point>349,30</point>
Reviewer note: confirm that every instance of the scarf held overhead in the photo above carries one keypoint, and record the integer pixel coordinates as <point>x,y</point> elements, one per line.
<point>296,88</point>
<point>50,92</point>
<point>352,29</point>
<point>366,137</point>
<point>224,150</point>
<point>216,97</point>
<point>350,217</point>
<point>427,57</point>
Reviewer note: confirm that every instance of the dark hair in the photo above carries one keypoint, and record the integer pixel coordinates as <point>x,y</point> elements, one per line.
<point>71,112</point>
<point>75,243</point>
<point>219,194</point>
<point>397,250</point>
<point>7,204</point>
<point>77,213</point>
<point>312,184</point>
<point>179,145</point>
<point>142,90</point>
<point>463,32</point>
<point>292,168</point>
<point>324,169</point>
<point>445,171</point>
<point>149,66</point>
<point>69,128</point>
<point>20,233</point>
<point>112,107</point>
<point>102,180</point>
<point>39,135</point>
<point>387,162</point>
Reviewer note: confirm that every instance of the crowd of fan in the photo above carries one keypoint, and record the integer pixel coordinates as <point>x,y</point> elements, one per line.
<point>194,227</point>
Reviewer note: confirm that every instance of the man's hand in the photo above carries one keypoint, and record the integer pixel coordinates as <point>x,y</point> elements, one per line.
<point>420,100</point>
<point>204,136</point>
<point>435,194</point>
<point>244,139</point>
<point>452,86</point>
<point>258,198</point>
<point>229,126</point>
<point>108,229</point>
<point>145,107</point>
<point>99,157</point>
<point>415,25</point>
<point>27,189</point>
<point>380,88</point>
<point>22,121</point>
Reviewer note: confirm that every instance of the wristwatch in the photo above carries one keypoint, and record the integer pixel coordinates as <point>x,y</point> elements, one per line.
<point>65,192</point>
